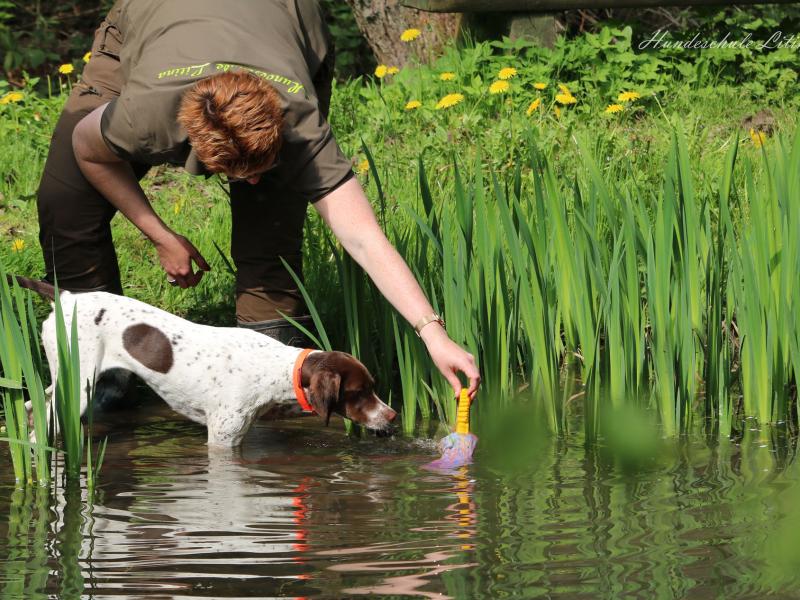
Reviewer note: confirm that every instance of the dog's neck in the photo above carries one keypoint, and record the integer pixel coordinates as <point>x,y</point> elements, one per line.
<point>282,396</point>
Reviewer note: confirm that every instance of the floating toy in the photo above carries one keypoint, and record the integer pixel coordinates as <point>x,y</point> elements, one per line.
<point>457,448</point>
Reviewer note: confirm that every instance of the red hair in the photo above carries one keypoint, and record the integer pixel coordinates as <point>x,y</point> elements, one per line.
<point>234,122</point>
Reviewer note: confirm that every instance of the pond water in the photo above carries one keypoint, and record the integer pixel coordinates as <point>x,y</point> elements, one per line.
<point>304,511</point>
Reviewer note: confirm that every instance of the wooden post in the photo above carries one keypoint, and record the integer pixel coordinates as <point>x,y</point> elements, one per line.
<point>483,6</point>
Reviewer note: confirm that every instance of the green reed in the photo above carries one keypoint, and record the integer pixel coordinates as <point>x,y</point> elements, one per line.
<point>67,390</point>
<point>21,366</point>
<point>764,271</point>
<point>23,377</point>
<point>679,302</point>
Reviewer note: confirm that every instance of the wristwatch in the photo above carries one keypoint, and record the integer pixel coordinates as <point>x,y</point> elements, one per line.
<point>426,320</point>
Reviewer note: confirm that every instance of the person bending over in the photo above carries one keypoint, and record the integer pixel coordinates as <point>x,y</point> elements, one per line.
<point>242,89</point>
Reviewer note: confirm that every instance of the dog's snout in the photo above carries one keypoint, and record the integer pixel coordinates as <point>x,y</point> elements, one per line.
<point>390,416</point>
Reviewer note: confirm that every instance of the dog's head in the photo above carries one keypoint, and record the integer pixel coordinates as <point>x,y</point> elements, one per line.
<point>336,382</point>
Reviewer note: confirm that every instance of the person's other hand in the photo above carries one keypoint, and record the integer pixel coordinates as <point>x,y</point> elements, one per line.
<point>450,358</point>
<point>176,255</point>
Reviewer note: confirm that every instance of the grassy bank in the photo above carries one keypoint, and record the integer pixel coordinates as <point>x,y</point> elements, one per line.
<point>601,231</point>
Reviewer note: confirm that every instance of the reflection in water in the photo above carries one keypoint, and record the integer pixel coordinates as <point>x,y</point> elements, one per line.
<point>303,511</point>
<point>458,523</point>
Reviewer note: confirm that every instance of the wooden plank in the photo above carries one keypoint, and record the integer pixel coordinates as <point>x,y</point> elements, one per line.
<point>480,6</point>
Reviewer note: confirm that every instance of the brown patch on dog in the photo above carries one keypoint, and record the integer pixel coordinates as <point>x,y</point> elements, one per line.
<point>149,346</point>
<point>99,316</point>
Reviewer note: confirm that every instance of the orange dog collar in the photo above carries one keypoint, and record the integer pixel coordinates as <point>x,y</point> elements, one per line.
<point>297,381</point>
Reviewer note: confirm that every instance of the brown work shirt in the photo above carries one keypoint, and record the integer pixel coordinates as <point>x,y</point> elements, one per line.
<point>168,45</point>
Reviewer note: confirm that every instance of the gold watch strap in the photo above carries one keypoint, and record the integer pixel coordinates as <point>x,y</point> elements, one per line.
<point>426,320</point>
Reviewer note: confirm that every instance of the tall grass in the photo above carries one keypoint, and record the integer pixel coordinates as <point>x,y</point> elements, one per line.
<point>23,375</point>
<point>577,288</point>
<point>22,369</point>
<point>680,303</point>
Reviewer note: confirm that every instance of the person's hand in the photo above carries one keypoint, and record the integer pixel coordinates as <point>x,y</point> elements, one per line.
<point>450,358</point>
<point>176,254</point>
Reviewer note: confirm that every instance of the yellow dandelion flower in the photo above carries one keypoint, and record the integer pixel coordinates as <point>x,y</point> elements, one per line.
<point>564,89</point>
<point>12,97</point>
<point>66,69</point>
<point>565,99</point>
<point>499,87</point>
<point>628,97</point>
<point>362,167</point>
<point>613,108</point>
<point>539,85</point>
<point>507,73</point>
<point>413,104</point>
<point>533,106</point>
<point>392,70</point>
<point>409,35</point>
<point>17,245</point>
<point>759,138</point>
<point>557,111</point>
<point>449,100</point>
<point>381,70</point>
<point>87,57</point>
<point>447,76</point>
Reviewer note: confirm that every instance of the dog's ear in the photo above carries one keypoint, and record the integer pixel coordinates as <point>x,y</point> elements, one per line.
<point>324,392</point>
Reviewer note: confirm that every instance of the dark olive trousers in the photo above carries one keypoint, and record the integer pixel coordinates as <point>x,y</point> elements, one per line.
<point>74,219</point>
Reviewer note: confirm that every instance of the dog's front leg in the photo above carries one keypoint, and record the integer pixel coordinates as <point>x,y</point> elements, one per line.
<point>227,430</point>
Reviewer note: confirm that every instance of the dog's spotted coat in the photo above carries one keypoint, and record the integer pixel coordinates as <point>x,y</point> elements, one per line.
<point>222,377</point>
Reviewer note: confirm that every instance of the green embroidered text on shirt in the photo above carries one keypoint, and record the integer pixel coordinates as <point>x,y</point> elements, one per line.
<point>293,87</point>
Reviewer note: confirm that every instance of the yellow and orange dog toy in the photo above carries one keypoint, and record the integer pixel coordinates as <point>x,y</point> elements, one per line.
<point>457,448</point>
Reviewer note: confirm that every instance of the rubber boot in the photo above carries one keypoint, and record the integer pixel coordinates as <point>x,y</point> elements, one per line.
<point>283,331</point>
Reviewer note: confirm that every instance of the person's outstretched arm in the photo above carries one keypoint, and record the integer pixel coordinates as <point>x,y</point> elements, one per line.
<point>115,180</point>
<point>348,213</point>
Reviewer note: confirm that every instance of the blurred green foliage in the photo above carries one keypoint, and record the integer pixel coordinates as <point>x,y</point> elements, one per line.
<point>35,35</point>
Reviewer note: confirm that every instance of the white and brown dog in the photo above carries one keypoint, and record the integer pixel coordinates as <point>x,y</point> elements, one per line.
<point>222,377</point>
